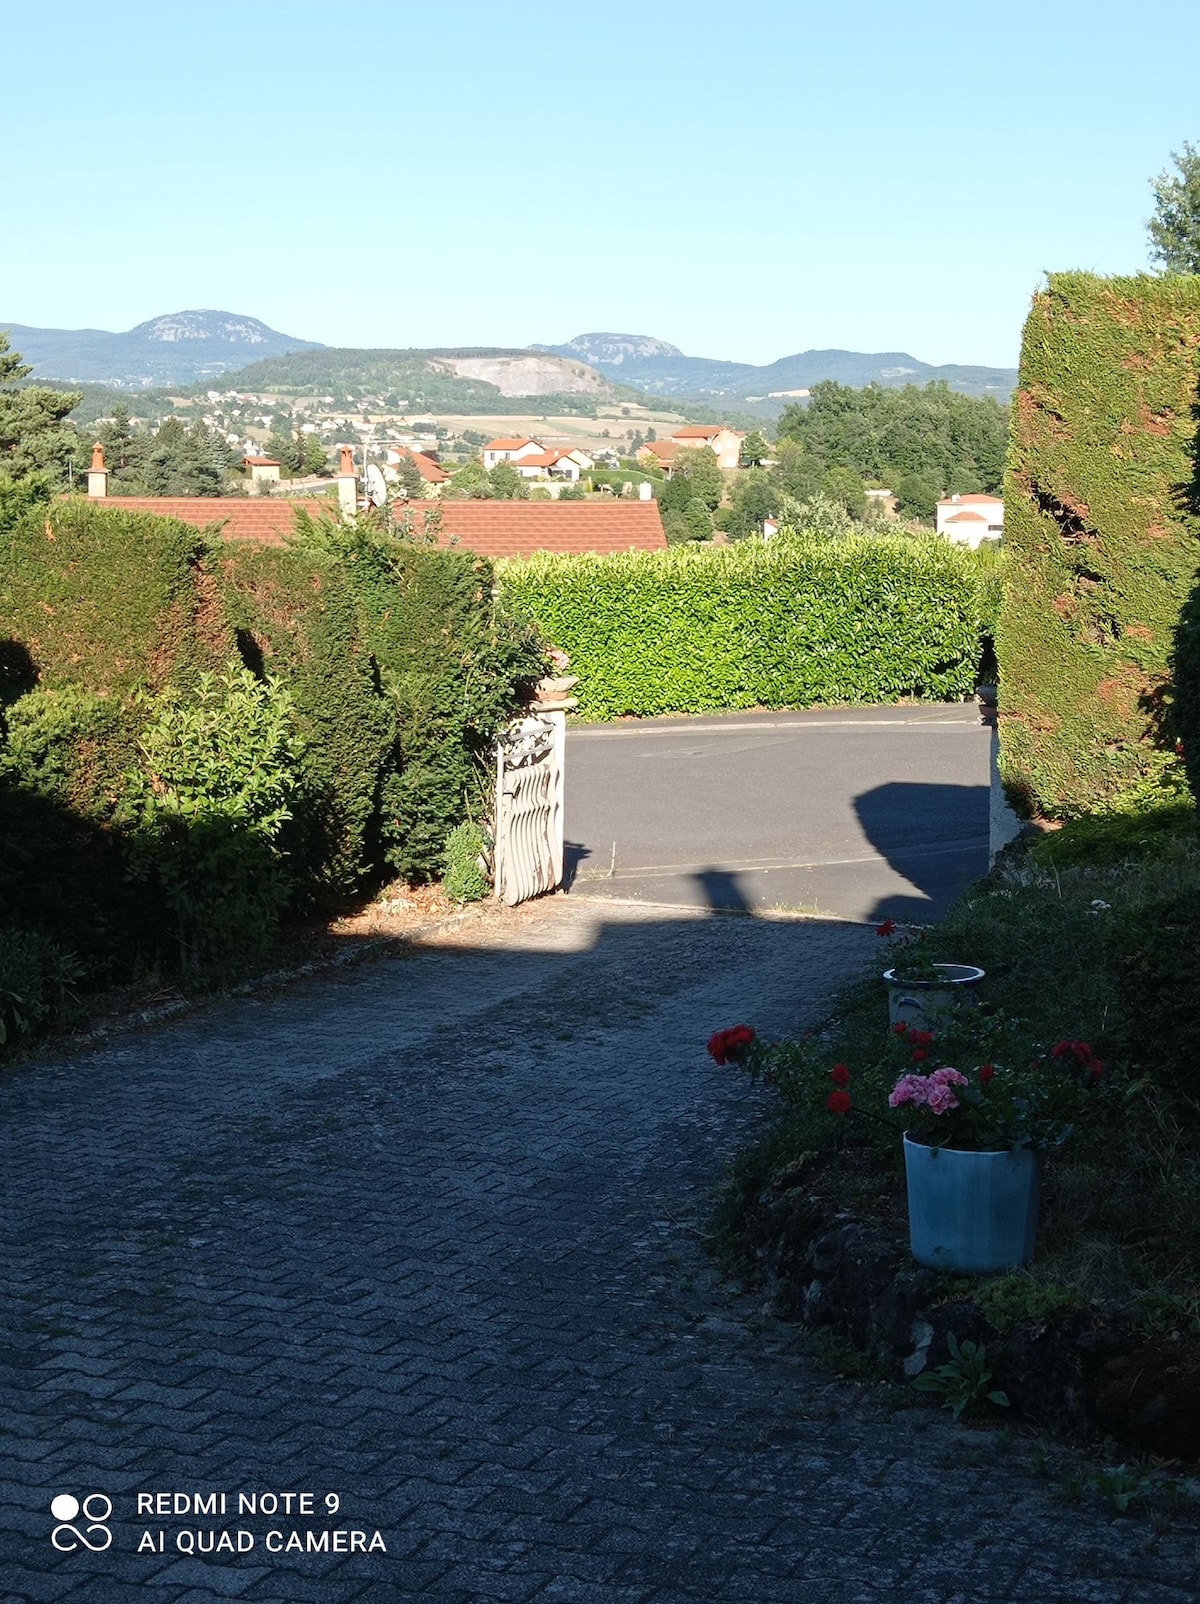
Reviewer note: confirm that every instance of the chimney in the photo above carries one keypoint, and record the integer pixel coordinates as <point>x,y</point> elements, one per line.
<point>645,491</point>
<point>97,473</point>
<point>347,483</point>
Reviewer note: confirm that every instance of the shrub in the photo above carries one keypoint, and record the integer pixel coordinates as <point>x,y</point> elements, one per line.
<point>108,599</point>
<point>296,614</point>
<point>453,669</point>
<point>63,870</point>
<point>790,623</point>
<point>35,973</point>
<point>463,878</point>
<point>207,808</point>
<point>1101,537</point>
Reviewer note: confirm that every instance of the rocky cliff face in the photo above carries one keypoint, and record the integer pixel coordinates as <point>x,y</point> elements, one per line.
<point>529,375</point>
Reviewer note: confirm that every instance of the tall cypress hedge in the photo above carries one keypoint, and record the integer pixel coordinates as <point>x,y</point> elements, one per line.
<point>792,623</point>
<point>1101,536</point>
<point>389,656</point>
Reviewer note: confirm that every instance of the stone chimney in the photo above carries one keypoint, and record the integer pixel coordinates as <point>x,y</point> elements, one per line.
<point>97,473</point>
<point>347,482</point>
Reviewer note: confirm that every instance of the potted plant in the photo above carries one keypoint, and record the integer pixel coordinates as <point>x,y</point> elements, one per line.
<point>973,1139</point>
<point>922,992</point>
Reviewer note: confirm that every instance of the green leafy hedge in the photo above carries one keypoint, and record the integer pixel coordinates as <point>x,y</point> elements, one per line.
<point>198,736</point>
<point>1101,538</point>
<point>792,623</point>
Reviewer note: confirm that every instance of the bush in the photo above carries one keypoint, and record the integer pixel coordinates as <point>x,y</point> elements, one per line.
<point>452,669</point>
<point>35,974</point>
<point>297,614</point>
<point>206,809</point>
<point>63,868</point>
<point>108,599</point>
<point>1101,537</point>
<point>791,623</point>
<point>463,878</point>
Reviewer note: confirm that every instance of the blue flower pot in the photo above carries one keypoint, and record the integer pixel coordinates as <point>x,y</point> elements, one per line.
<point>971,1211</point>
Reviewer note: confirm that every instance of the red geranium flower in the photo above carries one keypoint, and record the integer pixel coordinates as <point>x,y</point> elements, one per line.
<point>918,1053</point>
<point>920,1038</point>
<point>986,1071</point>
<point>1078,1050</point>
<point>840,1075</point>
<point>899,1029</point>
<point>887,928</point>
<point>726,1044</point>
<point>838,1102</point>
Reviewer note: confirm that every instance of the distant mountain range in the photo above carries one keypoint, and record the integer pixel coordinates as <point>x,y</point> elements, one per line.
<point>186,348</point>
<point>657,368</point>
<point>181,348</point>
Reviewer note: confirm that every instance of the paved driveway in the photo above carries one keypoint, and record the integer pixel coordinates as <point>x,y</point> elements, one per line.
<point>868,813</point>
<point>425,1236</point>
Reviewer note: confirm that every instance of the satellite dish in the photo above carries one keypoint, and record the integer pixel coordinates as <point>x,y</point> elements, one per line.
<point>376,485</point>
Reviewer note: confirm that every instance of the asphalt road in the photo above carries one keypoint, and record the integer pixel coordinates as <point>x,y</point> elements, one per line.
<point>865,813</point>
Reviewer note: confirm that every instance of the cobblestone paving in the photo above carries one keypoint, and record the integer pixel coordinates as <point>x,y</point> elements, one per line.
<point>424,1234</point>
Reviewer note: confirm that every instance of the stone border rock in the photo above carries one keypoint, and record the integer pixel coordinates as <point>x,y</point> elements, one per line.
<point>1091,1374</point>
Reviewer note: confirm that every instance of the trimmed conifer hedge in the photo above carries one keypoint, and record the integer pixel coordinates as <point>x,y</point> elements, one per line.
<point>792,623</point>
<point>386,660</point>
<point>1101,538</point>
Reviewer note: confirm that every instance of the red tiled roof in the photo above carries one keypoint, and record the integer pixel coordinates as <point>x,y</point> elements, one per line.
<point>967,518</point>
<point>263,518</point>
<point>491,528</point>
<point>664,450</point>
<point>509,445</point>
<point>262,462</point>
<point>544,459</point>
<point>519,528</point>
<point>699,431</point>
<point>966,501</point>
<point>429,470</point>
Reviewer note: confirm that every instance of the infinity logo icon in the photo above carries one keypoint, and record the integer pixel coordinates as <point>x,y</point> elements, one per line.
<point>96,1509</point>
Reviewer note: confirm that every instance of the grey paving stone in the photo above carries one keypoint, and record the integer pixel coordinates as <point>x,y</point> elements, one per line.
<point>426,1234</point>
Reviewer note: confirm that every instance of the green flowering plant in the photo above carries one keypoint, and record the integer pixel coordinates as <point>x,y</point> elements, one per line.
<point>1035,1104</point>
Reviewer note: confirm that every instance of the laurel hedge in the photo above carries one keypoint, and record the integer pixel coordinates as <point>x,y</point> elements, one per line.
<point>1102,539</point>
<point>792,623</point>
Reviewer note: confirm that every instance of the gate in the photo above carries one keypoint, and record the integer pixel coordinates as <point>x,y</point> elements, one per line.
<point>530,775</point>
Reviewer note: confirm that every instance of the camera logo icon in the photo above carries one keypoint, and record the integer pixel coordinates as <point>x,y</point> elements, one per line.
<point>95,1509</point>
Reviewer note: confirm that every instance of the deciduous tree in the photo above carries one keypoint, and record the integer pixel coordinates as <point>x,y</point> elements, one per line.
<point>1175,227</point>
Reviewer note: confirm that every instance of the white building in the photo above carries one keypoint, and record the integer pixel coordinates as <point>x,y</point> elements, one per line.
<point>970,520</point>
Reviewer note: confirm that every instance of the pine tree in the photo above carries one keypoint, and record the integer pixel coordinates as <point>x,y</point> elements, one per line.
<point>34,434</point>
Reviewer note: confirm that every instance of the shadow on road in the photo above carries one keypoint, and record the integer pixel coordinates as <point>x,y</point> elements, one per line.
<point>935,836</point>
<point>722,891</point>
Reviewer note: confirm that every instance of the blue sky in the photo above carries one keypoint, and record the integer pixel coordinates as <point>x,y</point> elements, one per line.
<point>743,181</point>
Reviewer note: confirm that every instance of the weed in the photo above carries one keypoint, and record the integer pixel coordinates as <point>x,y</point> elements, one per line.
<point>1121,1486</point>
<point>963,1379</point>
<point>1012,1299</point>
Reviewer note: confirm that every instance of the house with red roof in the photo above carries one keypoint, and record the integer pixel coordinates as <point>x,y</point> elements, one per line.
<point>533,460</point>
<point>660,454</point>
<point>432,473</point>
<point>521,528</point>
<point>971,519</point>
<point>491,528</point>
<point>724,442</point>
